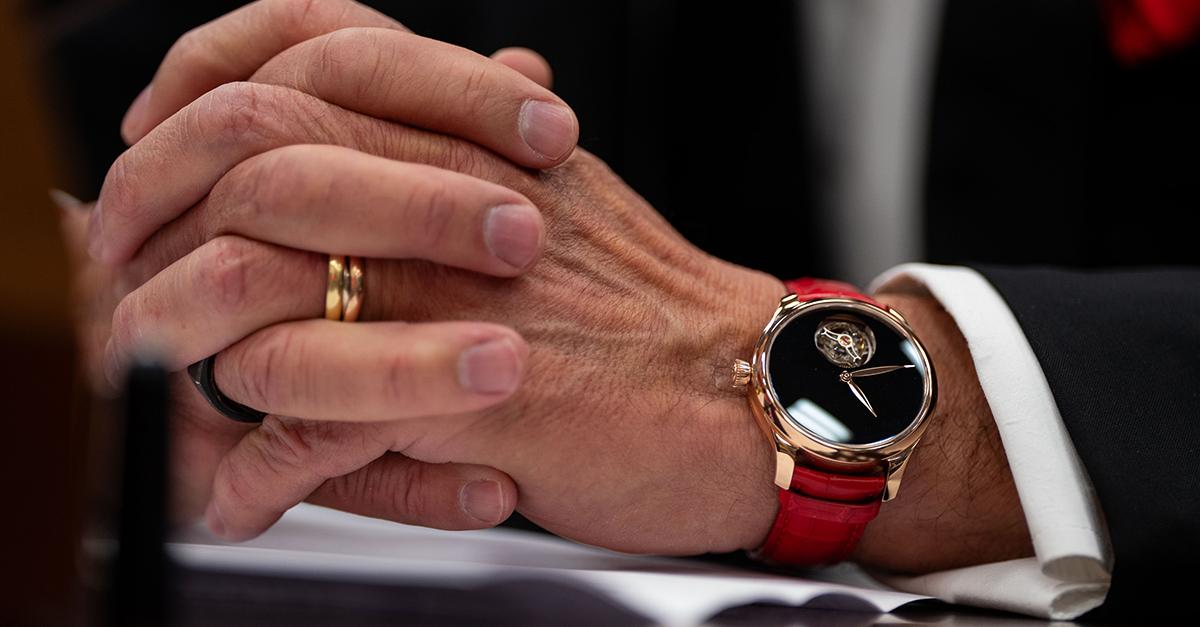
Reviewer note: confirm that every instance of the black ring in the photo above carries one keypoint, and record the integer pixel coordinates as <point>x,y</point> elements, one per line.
<point>204,376</point>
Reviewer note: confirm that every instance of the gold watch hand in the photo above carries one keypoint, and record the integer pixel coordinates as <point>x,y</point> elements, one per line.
<point>870,372</point>
<point>858,393</point>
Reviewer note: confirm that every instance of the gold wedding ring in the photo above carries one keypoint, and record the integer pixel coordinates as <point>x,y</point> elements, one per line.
<point>352,289</point>
<point>334,304</point>
<point>344,288</point>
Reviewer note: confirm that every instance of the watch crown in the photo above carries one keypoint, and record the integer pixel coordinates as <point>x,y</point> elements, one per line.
<point>741,373</point>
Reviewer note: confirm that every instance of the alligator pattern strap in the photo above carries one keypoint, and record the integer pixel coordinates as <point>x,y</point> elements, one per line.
<point>823,515</point>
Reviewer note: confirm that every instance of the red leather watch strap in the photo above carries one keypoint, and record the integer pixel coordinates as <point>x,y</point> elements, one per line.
<point>810,289</point>
<point>823,515</point>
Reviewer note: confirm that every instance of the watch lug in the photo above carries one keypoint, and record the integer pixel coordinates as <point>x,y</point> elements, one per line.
<point>893,475</point>
<point>785,467</point>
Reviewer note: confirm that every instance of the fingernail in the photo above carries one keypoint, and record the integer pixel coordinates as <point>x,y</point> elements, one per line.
<point>131,126</point>
<point>95,233</point>
<point>65,201</point>
<point>483,500</point>
<point>492,367</point>
<point>547,128</point>
<point>212,517</point>
<point>514,234</point>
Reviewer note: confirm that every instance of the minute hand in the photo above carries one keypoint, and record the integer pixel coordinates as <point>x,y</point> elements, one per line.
<point>870,372</point>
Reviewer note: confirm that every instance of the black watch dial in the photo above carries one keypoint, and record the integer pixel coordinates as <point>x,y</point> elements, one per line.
<point>847,376</point>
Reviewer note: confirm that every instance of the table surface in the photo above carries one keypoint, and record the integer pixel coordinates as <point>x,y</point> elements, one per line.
<point>211,598</point>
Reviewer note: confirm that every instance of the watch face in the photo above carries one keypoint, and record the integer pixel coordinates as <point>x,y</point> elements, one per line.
<point>846,375</point>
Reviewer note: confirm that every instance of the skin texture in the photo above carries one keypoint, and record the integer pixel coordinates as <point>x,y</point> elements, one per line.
<point>624,431</point>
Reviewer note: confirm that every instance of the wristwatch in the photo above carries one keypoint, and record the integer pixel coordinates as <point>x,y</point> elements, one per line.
<point>842,387</point>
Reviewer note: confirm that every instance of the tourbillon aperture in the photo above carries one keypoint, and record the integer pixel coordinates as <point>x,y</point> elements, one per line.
<point>845,340</point>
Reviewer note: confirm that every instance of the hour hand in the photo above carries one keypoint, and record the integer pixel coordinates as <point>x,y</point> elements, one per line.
<point>862,397</point>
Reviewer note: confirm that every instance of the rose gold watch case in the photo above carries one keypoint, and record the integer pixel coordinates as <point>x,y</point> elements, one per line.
<point>792,440</point>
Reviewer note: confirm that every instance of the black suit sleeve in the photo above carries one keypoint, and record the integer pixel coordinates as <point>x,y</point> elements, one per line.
<point>1121,352</point>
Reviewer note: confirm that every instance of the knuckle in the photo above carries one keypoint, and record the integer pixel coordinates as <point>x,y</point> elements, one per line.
<point>264,185</point>
<point>385,487</point>
<point>222,272</point>
<point>288,444</point>
<point>478,93</point>
<point>172,242</point>
<point>340,50</point>
<point>409,485</point>
<point>452,154</point>
<point>290,15</point>
<point>385,139</point>
<point>191,54</point>
<point>304,175</point>
<point>307,9</point>
<point>234,113</point>
<point>461,157</point>
<point>370,135</point>
<point>120,190</point>
<point>260,368</point>
<point>330,55</point>
<point>401,386</point>
<point>304,15</point>
<point>435,206</point>
<point>360,60</point>
<point>347,489</point>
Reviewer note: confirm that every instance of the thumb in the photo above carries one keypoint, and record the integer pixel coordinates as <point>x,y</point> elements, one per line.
<point>442,496</point>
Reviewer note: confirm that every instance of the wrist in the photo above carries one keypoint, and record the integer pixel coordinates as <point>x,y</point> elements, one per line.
<point>958,505</point>
<point>744,501</point>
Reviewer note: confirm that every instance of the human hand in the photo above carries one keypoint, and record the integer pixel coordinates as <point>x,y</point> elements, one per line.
<point>239,124</point>
<point>602,225</point>
<point>606,516</point>
<point>622,436</point>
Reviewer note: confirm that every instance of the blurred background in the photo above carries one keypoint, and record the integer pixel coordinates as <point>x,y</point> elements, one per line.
<point>821,137</point>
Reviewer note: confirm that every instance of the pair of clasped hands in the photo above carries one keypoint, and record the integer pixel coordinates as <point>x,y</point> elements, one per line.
<point>534,335</point>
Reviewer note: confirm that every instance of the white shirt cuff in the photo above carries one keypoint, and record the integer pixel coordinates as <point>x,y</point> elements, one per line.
<point>1072,568</point>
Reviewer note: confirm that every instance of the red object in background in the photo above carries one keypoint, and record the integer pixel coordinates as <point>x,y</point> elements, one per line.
<point>1140,30</point>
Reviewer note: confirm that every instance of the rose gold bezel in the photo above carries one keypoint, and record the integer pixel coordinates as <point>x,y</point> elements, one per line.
<point>792,438</point>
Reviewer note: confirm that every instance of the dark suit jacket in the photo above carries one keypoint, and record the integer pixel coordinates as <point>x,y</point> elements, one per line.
<point>1042,150</point>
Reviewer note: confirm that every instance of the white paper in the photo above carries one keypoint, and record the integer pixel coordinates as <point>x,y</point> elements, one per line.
<point>316,542</point>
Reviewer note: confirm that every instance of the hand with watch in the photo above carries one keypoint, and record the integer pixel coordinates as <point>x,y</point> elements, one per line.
<point>624,431</point>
